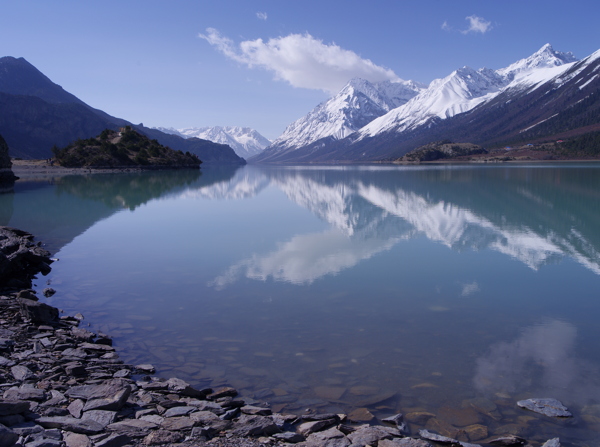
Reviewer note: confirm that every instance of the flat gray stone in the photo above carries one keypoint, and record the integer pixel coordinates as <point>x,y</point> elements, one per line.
<point>57,398</point>
<point>71,424</point>
<point>77,353</point>
<point>77,440</point>
<point>22,373</point>
<point>554,442</point>
<point>27,428</point>
<point>45,442</point>
<point>146,368</point>
<point>116,440</point>
<point>15,407</point>
<point>206,405</point>
<point>6,362</point>
<point>75,408</point>
<point>328,438</point>
<point>179,411</point>
<point>395,419</point>
<point>368,436</point>
<point>251,409</point>
<point>177,423</point>
<point>132,427</point>
<point>403,442</point>
<point>154,418</point>
<point>247,425</point>
<point>105,389</point>
<point>426,434</point>
<point>103,417</point>
<point>25,392</point>
<point>289,436</point>
<point>161,437</point>
<point>183,388</point>
<point>546,406</point>
<point>307,428</point>
<point>96,347</point>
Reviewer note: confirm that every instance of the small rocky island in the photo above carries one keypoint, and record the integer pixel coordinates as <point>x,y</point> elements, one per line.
<point>441,150</point>
<point>123,149</point>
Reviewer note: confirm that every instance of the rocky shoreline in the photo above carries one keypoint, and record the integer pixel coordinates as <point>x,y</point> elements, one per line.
<point>63,385</point>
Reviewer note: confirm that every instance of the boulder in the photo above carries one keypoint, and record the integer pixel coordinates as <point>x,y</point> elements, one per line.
<point>39,313</point>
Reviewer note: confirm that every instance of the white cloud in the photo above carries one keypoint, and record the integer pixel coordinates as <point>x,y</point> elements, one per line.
<point>301,60</point>
<point>445,26</point>
<point>477,25</point>
<point>469,289</point>
<point>261,15</point>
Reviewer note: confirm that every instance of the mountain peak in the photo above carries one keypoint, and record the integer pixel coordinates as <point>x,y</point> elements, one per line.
<point>19,77</point>
<point>545,57</point>
<point>245,142</point>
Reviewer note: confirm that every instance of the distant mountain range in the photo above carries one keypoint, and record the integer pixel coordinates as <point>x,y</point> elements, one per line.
<point>36,114</point>
<point>246,142</point>
<point>546,96</point>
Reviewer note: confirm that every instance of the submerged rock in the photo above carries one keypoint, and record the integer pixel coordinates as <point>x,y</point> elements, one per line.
<point>509,440</point>
<point>547,407</point>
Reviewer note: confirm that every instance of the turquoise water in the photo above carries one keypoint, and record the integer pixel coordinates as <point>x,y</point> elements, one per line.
<point>391,288</point>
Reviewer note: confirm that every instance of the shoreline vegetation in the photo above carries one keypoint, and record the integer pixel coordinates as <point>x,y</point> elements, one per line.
<point>66,386</point>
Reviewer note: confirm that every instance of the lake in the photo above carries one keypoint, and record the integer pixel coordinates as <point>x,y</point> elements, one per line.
<point>441,289</point>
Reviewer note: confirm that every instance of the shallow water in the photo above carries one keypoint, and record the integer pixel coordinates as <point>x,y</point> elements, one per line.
<point>391,288</point>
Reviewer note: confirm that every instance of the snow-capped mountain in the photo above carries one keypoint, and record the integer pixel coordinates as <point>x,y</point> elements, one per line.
<point>464,89</point>
<point>357,104</point>
<point>484,107</point>
<point>245,142</point>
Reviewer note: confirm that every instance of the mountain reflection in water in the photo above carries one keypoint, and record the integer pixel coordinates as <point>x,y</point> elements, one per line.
<point>529,215</point>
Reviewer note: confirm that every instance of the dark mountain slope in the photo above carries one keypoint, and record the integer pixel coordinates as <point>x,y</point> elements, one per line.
<point>37,114</point>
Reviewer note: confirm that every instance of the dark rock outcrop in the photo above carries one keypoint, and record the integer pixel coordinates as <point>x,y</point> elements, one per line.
<point>6,174</point>
<point>20,259</point>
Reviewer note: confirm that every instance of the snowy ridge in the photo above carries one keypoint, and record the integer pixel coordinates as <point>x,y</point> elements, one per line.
<point>465,89</point>
<point>357,104</point>
<point>245,142</point>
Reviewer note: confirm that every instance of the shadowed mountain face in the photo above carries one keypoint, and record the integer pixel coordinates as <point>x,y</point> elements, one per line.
<point>36,114</point>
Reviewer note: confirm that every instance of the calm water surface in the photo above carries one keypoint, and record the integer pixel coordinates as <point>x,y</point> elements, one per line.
<point>391,288</point>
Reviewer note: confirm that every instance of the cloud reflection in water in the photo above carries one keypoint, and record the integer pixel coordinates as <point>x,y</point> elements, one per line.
<point>541,360</point>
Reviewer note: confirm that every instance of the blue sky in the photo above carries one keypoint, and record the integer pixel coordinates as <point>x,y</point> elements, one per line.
<point>263,64</point>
